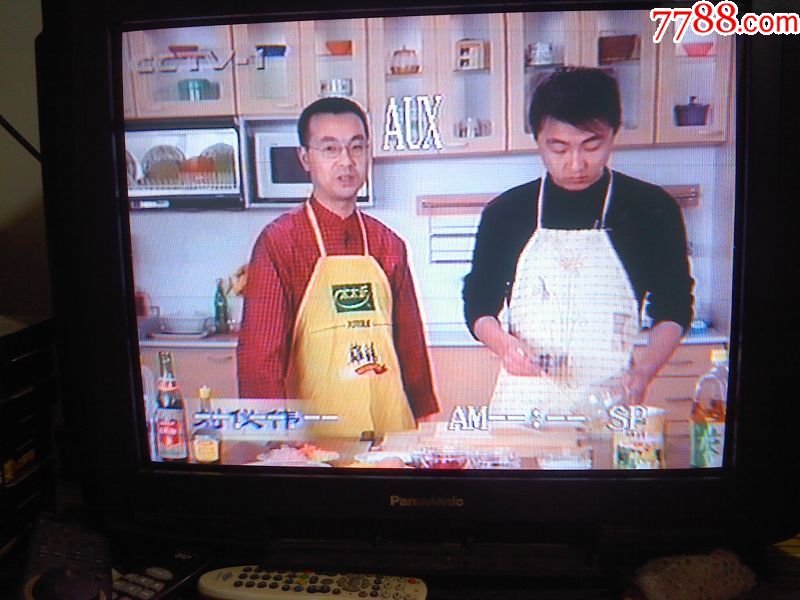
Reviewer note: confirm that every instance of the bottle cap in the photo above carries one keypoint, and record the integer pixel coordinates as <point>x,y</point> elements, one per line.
<point>719,355</point>
<point>204,393</point>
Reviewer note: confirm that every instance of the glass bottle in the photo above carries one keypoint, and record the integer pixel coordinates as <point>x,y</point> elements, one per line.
<point>707,430</point>
<point>221,324</point>
<point>170,418</point>
<point>150,404</point>
<point>206,440</point>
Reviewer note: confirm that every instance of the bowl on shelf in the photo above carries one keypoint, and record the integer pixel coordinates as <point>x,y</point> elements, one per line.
<point>697,49</point>
<point>339,47</point>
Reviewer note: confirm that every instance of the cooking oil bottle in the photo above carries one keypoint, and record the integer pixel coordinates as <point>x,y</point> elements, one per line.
<point>707,429</point>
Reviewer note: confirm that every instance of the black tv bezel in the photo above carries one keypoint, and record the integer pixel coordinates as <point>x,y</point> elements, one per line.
<point>82,137</point>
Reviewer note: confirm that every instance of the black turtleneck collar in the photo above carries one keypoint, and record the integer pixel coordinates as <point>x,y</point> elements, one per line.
<point>565,209</point>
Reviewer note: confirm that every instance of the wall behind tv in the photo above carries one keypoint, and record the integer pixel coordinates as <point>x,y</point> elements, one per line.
<point>24,279</point>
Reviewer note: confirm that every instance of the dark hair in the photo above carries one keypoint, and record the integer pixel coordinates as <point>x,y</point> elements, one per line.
<point>328,106</point>
<point>578,96</point>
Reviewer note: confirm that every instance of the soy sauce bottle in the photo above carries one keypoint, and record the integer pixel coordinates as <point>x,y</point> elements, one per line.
<point>170,415</point>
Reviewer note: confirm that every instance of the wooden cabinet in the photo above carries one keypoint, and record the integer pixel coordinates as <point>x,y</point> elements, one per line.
<point>538,44</point>
<point>694,92</point>
<point>673,387</point>
<point>334,58</point>
<point>485,68</point>
<point>183,72</point>
<point>463,375</point>
<point>403,64</point>
<point>471,51</point>
<point>128,101</point>
<point>269,69</point>
<point>196,367</point>
<point>618,42</point>
<point>461,59</point>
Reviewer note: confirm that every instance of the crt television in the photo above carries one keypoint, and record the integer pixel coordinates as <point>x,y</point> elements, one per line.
<point>706,119</point>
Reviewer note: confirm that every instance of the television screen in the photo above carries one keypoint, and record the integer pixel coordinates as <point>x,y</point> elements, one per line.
<point>541,277</point>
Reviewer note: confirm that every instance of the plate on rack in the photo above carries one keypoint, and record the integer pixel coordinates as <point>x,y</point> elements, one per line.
<point>223,157</point>
<point>132,168</point>
<point>162,162</point>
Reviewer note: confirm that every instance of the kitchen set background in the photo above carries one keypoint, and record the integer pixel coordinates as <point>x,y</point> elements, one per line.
<point>178,255</point>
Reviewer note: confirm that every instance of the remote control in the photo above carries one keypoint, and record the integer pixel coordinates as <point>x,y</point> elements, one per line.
<point>258,583</point>
<point>67,560</point>
<point>154,573</point>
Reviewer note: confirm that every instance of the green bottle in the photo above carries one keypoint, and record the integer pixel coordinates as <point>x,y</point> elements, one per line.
<point>221,324</point>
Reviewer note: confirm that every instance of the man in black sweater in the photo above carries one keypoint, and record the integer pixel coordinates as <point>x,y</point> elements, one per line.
<point>575,115</point>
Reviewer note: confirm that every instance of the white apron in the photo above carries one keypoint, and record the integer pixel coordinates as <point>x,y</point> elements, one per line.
<point>343,360</point>
<point>573,303</point>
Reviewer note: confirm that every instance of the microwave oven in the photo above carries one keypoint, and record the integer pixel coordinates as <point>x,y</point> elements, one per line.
<point>279,175</point>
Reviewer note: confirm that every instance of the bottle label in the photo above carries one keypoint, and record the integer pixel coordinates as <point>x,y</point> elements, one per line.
<point>171,439</point>
<point>206,449</point>
<point>707,443</point>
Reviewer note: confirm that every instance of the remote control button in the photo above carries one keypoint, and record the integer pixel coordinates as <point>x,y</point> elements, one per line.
<point>157,586</point>
<point>238,583</point>
<point>146,595</point>
<point>273,585</point>
<point>327,581</point>
<point>247,569</point>
<point>362,594</point>
<point>313,579</point>
<point>242,575</point>
<point>255,576</point>
<point>336,591</point>
<point>374,594</point>
<point>298,588</point>
<point>266,577</point>
<point>278,577</point>
<point>261,584</point>
<point>258,570</point>
<point>249,584</point>
<point>286,587</point>
<point>158,573</point>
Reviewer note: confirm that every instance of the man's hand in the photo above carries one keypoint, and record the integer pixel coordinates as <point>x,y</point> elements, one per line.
<point>520,359</point>
<point>662,341</point>
<point>635,382</point>
<point>517,357</point>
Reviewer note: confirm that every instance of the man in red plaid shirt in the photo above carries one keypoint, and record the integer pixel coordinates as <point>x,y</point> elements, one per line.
<point>331,316</point>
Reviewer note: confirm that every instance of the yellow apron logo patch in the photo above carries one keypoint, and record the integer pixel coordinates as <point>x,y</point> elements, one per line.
<point>353,297</point>
<point>364,358</point>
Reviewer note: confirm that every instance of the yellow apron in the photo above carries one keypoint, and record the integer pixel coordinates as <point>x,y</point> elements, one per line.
<point>343,360</point>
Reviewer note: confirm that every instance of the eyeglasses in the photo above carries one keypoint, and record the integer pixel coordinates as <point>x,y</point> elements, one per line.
<point>333,149</point>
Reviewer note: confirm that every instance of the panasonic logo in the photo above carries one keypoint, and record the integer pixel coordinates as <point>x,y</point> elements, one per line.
<point>451,502</point>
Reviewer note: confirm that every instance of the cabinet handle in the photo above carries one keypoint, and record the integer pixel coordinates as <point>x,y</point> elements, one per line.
<point>710,132</point>
<point>219,359</point>
<point>680,363</point>
<point>679,399</point>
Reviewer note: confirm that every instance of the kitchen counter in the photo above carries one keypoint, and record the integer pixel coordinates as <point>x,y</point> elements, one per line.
<point>528,445</point>
<point>438,335</point>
